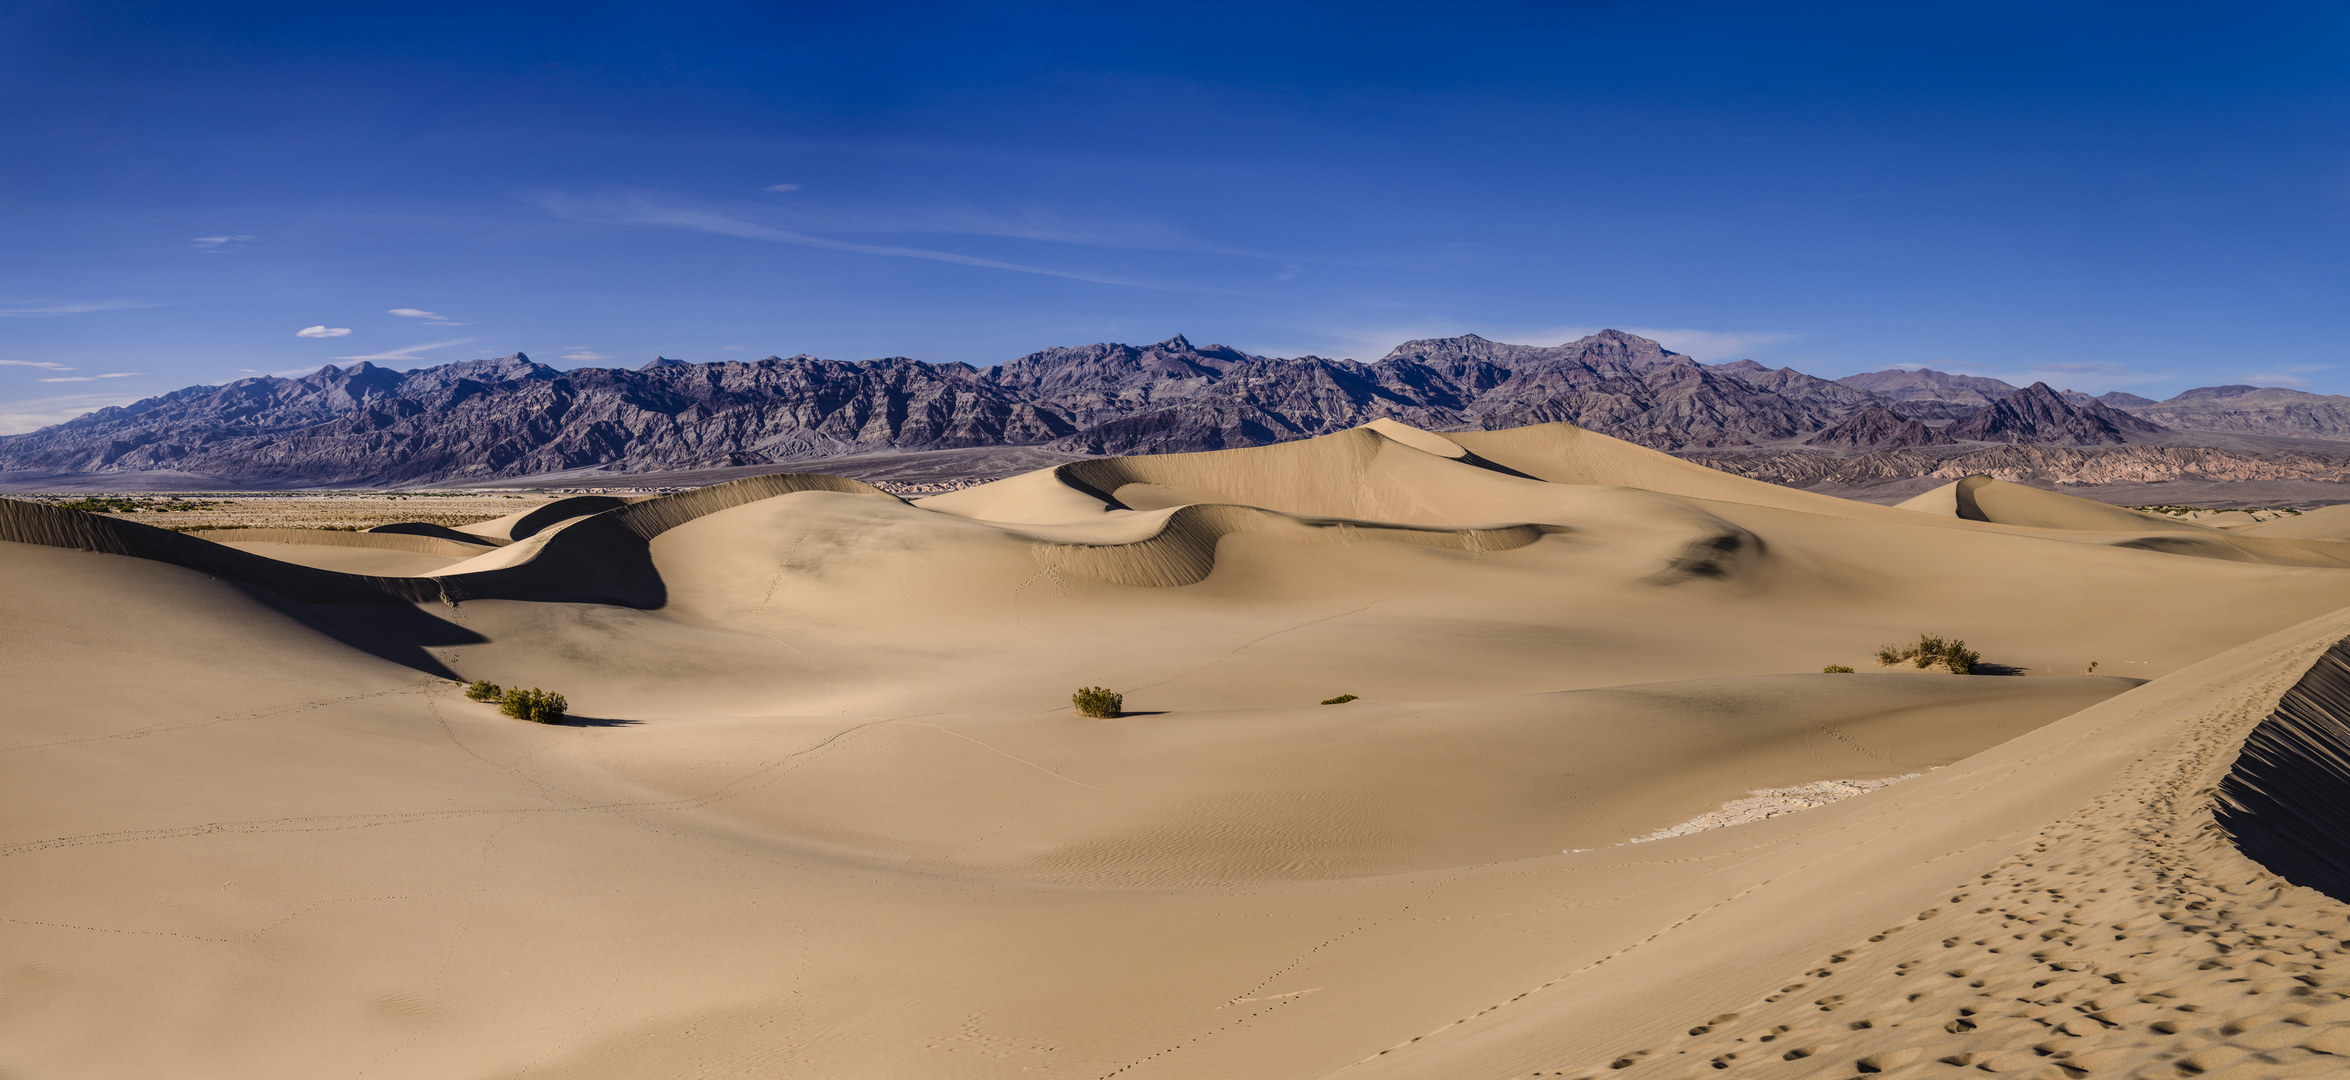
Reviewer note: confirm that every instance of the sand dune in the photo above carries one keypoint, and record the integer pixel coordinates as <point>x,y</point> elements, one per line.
<point>823,809</point>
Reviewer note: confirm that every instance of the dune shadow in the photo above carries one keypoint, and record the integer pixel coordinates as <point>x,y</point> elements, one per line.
<point>596,721</point>
<point>1987,668</point>
<point>395,632</point>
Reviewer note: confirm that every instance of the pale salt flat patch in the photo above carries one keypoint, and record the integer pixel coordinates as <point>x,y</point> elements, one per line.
<point>1766,803</point>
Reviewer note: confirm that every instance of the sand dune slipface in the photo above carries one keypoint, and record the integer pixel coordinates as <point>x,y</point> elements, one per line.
<point>823,809</point>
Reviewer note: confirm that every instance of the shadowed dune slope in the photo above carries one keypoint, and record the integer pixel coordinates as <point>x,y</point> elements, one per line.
<point>2287,801</point>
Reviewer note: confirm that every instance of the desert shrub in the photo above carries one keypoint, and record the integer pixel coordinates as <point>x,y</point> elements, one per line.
<point>1835,669</point>
<point>1098,702</point>
<point>1932,650</point>
<point>535,705</point>
<point>484,690</point>
<point>1340,699</point>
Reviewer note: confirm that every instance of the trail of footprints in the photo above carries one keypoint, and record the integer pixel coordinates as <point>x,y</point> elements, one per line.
<point>2134,941</point>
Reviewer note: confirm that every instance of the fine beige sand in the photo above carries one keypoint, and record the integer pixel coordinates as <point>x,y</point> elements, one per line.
<point>823,810</point>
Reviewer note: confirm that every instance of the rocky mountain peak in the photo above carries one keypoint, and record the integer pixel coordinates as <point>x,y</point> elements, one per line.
<point>1876,428</point>
<point>2038,414</point>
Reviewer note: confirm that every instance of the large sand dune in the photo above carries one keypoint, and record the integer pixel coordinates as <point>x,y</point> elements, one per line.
<point>823,810</point>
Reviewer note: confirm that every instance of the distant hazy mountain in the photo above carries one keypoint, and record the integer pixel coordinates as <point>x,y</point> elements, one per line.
<point>509,416</point>
<point>2254,410</point>
<point>1926,394</point>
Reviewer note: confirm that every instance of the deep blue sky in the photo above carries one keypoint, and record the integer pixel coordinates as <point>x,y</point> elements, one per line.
<point>2124,195</point>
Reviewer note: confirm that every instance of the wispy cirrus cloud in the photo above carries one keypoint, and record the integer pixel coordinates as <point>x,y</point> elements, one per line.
<point>236,242</point>
<point>430,318</point>
<point>1711,345</point>
<point>323,331</point>
<point>33,414</point>
<point>409,353</point>
<point>584,355</point>
<point>781,189</point>
<point>92,378</point>
<point>82,307</point>
<point>42,364</point>
<point>660,212</point>
<point>2290,375</point>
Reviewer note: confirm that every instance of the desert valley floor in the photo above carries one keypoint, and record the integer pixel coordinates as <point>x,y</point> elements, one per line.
<point>823,810</point>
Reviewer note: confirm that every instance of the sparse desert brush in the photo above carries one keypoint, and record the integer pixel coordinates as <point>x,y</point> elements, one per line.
<point>1835,669</point>
<point>1932,650</point>
<point>1097,702</point>
<point>484,690</point>
<point>535,705</point>
<point>1339,700</point>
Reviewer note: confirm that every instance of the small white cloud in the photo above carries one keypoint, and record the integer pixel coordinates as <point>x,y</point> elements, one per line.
<point>2279,378</point>
<point>93,378</point>
<point>42,364</point>
<point>433,317</point>
<point>736,348</point>
<point>323,331</point>
<point>584,355</point>
<point>781,188</point>
<point>222,243</point>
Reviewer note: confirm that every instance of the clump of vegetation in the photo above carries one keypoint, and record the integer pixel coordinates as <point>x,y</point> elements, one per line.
<point>535,705</point>
<point>2091,669</point>
<point>1098,702</point>
<point>120,504</point>
<point>1932,650</point>
<point>484,690</point>
<point>2175,510</point>
<point>1835,669</point>
<point>1340,699</point>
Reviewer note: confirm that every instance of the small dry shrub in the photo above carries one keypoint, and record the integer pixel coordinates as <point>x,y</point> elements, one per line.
<point>1340,699</point>
<point>535,705</point>
<point>1835,669</point>
<point>1932,650</point>
<point>484,690</point>
<point>1098,702</point>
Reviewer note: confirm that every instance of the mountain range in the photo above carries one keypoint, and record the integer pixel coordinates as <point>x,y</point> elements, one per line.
<point>509,416</point>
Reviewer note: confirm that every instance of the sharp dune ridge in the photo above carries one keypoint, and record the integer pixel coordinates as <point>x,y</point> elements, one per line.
<point>823,809</point>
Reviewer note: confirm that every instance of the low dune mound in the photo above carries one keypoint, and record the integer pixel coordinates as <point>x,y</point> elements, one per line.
<point>1983,498</point>
<point>1565,454</point>
<point>1183,550</point>
<point>2059,516</point>
<point>2323,523</point>
<point>600,559</point>
<point>1316,793</point>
